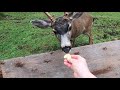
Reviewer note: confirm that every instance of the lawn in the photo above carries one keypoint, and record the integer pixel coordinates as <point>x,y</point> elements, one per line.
<point>18,37</point>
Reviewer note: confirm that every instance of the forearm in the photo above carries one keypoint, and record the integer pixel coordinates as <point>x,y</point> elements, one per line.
<point>87,75</point>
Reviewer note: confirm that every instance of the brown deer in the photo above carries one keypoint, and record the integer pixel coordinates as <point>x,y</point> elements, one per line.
<point>68,27</point>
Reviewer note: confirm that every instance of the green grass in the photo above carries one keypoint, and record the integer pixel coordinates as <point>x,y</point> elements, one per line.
<point>19,38</point>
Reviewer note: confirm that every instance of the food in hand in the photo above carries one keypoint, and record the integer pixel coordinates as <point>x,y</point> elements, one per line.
<point>67,56</point>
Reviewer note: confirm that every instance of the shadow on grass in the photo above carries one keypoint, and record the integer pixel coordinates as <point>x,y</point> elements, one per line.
<point>2,16</point>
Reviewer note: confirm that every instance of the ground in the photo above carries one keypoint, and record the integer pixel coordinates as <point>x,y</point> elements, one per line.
<point>18,37</point>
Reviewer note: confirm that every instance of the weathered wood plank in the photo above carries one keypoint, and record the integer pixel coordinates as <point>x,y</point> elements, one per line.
<point>103,60</point>
<point>0,73</point>
<point>1,63</point>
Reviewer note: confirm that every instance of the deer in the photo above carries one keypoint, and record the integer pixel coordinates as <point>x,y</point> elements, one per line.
<point>68,27</point>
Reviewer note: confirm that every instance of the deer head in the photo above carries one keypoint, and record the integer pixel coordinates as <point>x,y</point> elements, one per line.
<point>61,26</point>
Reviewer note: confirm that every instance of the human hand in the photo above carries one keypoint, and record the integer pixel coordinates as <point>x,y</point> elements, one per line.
<point>79,65</point>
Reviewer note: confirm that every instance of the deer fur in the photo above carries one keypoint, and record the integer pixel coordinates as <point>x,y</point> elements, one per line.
<point>77,22</point>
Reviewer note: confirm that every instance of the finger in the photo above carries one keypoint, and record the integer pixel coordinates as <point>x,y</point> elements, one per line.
<point>69,61</point>
<point>75,56</point>
<point>67,64</point>
<point>72,61</point>
<point>65,60</point>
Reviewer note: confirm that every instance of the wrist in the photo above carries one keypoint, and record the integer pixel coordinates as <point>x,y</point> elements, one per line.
<point>87,75</point>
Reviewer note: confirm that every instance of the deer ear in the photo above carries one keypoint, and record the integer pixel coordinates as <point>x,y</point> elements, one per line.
<point>41,23</point>
<point>77,14</point>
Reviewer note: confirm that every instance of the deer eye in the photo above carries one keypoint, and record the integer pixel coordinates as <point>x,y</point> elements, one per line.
<point>55,31</point>
<point>58,36</point>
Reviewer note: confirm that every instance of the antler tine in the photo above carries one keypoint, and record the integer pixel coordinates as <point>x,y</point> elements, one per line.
<point>65,13</point>
<point>50,17</point>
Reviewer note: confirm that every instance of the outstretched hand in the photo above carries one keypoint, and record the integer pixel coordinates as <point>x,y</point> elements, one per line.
<point>79,65</point>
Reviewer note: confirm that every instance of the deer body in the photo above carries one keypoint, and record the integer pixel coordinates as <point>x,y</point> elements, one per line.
<point>68,27</point>
<point>82,25</point>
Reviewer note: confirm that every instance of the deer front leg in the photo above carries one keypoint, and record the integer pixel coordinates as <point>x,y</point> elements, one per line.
<point>90,37</point>
<point>73,42</point>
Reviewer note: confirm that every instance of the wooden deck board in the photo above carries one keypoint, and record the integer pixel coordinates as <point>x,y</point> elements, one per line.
<point>103,60</point>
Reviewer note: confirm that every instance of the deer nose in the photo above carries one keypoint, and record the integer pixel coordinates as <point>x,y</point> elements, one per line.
<point>66,49</point>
